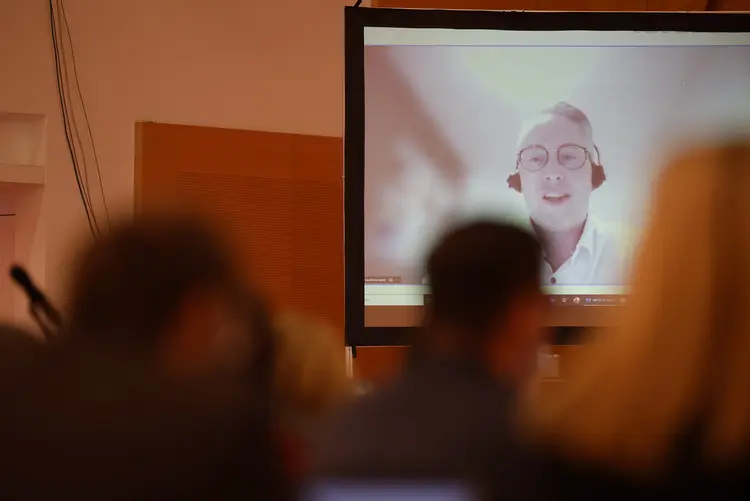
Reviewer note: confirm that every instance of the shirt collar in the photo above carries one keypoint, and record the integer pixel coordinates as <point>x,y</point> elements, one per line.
<point>588,237</point>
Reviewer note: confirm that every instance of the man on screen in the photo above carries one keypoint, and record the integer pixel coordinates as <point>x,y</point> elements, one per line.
<point>557,169</point>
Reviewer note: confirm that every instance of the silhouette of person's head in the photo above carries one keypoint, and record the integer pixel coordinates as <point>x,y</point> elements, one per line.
<point>486,302</point>
<point>165,284</point>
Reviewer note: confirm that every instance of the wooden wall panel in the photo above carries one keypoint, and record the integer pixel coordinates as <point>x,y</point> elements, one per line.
<point>278,196</point>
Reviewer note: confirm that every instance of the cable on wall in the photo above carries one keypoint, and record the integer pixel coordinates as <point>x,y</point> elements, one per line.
<point>83,108</point>
<point>73,137</point>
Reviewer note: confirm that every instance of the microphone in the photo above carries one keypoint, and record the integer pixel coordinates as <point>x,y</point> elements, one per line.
<point>23,280</point>
<point>45,315</point>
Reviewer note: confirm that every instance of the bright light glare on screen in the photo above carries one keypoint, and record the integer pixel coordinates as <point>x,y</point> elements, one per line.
<point>413,200</point>
<point>529,84</point>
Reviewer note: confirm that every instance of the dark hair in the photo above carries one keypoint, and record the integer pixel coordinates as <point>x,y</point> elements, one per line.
<point>132,280</point>
<point>476,269</point>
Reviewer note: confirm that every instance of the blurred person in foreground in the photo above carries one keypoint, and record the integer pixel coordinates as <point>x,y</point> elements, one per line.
<point>19,349</point>
<point>447,417</point>
<point>132,403</point>
<point>16,342</point>
<point>310,383</point>
<point>164,290</point>
<point>660,408</point>
<point>81,428</point>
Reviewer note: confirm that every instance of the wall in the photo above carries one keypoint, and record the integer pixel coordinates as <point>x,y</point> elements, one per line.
<point>272,65</point>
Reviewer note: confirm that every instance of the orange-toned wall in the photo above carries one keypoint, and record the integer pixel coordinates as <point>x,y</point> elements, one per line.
<point>266,65</point>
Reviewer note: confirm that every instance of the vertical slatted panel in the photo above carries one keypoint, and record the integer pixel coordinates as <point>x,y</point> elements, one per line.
<point>318,238</point>
<point>279,196</point>
<point>288,230</point>
<point>257,212</point>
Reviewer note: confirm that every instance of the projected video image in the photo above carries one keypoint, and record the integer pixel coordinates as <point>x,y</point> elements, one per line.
<point>565,140</point>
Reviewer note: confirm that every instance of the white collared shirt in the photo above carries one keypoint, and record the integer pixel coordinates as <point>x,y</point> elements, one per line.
<point>596,260</point>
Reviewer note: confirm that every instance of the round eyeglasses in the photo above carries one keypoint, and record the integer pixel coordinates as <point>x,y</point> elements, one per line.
<point>571,156</point>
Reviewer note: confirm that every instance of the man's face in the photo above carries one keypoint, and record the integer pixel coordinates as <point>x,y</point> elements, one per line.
<point>557,197</point>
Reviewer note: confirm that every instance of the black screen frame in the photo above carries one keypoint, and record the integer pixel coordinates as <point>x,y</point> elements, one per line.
<point>359,18</point>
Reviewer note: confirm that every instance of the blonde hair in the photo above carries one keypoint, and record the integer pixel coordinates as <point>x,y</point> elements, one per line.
<point>680,356</point>
<point>310,368</point>
<point>562,109</point>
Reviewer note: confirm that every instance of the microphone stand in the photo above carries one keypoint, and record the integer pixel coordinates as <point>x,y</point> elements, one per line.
<point>44,320</point>
<point>44,314</point>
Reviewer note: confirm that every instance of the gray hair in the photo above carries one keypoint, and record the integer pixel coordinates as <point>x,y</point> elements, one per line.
<point>561,109</point>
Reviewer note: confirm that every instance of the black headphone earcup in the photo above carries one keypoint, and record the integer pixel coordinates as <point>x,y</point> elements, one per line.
<point>514,182</point>
<point>597,175</point>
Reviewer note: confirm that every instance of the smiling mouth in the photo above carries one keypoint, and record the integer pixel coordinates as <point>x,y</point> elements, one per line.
<point>556,198</point>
